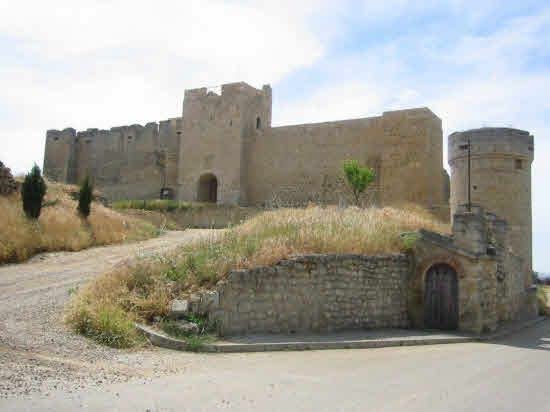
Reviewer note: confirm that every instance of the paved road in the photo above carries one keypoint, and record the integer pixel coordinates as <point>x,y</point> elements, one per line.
<point>509,375</point>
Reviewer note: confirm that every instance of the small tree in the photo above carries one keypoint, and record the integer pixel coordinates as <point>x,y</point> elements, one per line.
<point>33,191</point>
<point>85,196</point>
<point>358,178</point>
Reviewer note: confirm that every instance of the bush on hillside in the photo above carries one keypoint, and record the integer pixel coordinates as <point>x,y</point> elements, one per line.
<point>33,191</point>
<point>85,196</point>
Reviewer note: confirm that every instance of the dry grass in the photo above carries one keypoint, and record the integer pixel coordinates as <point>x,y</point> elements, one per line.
<point>143,290</point>
<point>543,296</point>
<point>60,227</point>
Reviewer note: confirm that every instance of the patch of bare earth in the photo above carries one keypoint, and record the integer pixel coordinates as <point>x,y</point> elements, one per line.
<point>38,353</point>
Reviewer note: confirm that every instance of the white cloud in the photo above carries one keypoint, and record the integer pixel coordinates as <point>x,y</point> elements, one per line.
<point>107,63</point>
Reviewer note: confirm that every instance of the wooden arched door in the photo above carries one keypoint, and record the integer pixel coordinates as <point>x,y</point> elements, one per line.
<point>441,298</point>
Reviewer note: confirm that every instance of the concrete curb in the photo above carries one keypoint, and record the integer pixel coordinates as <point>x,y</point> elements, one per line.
<point>165,341</point>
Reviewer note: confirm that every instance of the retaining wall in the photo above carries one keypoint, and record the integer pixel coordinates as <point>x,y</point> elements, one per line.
<point>315,293</point>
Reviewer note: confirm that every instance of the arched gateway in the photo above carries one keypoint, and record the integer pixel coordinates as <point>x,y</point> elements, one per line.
<point>441,297</point>
<point>208,188</point>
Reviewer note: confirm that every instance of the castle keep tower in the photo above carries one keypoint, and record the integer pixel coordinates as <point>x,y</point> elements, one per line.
<point>500,179</point>
<point>213,151</point>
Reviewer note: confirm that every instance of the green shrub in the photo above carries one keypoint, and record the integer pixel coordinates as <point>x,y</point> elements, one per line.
<point>109,326</point>
<point>358,178</point>
<point>409,239</point>
<point>85,196</point>
<point>33,191</point>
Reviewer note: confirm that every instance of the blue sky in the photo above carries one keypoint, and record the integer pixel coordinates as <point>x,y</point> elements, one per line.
<point>109,62</point>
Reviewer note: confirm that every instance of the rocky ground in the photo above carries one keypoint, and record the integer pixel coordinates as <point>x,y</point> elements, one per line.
<point>37,351</point>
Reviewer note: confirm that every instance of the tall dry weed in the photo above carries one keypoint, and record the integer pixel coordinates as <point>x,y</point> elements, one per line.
<point>60,227</point>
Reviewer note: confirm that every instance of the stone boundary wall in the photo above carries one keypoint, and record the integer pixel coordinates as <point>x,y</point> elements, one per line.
<point>207,217</point>
<point>315,293</point>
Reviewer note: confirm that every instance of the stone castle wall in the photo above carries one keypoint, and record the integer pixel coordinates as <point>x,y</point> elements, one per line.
<point>127,162</point>
<point>227,134</point>
<point>315,293</point>
<point>293,165</point>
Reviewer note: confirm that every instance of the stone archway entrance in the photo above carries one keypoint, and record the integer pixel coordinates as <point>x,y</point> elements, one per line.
<point>208,188</point>
<point>441,298</point>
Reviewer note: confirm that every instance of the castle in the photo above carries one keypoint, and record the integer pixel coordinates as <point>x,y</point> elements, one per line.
<point>224,150</point>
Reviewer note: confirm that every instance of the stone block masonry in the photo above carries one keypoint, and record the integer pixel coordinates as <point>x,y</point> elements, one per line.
<point>315,293</point>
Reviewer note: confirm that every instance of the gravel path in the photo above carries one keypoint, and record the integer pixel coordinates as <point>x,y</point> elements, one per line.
<point>38,352</point>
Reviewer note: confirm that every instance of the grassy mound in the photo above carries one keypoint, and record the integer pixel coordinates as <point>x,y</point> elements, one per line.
<point>60,227</point>
<point>143,290</point>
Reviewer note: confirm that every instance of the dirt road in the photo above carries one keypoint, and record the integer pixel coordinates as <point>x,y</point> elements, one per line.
<point>37,352</point>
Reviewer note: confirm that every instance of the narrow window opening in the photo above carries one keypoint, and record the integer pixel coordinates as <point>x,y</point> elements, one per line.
<point>56,138</point>
<point>519,164</point>
<point>258,122</point>
<point>231,123</point>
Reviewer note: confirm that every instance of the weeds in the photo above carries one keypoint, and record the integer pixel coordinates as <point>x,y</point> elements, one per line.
<point>72,291</point>
<point>109,326</point>
<point>196,342</point>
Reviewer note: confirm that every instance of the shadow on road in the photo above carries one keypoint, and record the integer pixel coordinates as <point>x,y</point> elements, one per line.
<point>536,337</point>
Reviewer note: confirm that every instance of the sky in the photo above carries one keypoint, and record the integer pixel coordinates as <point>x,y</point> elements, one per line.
<point>106,63</point>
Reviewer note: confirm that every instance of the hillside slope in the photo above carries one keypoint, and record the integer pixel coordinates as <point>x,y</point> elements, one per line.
<point>60,227</point>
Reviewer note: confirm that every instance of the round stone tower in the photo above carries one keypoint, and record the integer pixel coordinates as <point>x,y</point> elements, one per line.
<point>500,179</point>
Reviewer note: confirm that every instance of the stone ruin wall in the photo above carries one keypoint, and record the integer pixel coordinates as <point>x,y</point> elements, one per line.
<point>127,162</point>
<point>315,293</point>
<point>8,185</point>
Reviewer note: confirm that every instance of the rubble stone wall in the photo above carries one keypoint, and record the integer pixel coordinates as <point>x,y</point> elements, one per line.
<point>315,293</point>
